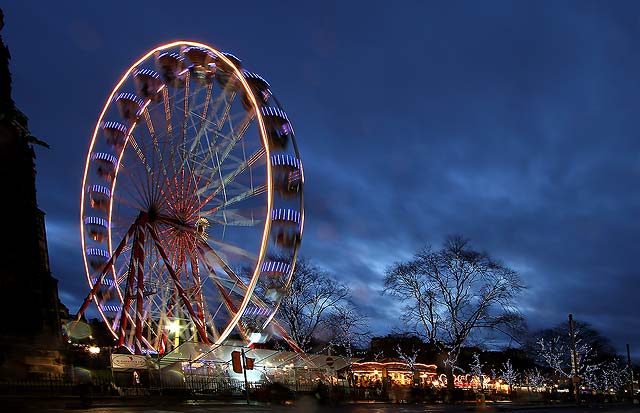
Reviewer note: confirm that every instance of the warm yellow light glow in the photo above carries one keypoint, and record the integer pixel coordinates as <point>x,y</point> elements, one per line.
<point>94,350</point>
<point>254,337</point>
<point>174,327</point>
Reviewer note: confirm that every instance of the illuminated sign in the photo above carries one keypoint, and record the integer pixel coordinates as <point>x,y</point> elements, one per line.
<point>128,361</point>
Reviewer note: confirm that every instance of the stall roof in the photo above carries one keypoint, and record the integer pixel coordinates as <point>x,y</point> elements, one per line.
<point>199,352</point>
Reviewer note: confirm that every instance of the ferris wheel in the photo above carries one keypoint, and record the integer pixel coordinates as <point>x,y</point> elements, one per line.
<point>192,204</point>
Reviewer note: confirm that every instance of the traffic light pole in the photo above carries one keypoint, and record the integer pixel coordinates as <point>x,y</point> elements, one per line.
<point>244,370</point>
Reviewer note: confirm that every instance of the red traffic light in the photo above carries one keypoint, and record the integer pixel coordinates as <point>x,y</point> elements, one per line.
<point>236,362</point>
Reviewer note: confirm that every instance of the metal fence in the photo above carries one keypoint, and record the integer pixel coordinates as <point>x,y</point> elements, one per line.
<point>54,385</point>
<point>107,384</point>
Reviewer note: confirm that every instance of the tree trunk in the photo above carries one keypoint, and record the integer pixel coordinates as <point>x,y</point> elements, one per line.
<point>448,370</point>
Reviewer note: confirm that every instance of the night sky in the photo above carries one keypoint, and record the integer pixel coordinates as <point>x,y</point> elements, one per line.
<point>515,124</point>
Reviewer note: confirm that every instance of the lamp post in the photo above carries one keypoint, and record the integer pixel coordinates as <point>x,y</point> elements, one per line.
<point>630,371</point>
<point>574,360</point>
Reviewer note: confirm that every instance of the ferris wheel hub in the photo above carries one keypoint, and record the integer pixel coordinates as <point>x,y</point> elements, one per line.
<point>202,224</point>
<point>153,212</point>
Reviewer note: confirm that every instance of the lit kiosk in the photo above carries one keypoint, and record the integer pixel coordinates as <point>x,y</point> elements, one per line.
<point>393,371</point>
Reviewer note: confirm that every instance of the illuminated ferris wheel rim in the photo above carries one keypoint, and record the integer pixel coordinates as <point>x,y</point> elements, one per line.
<point>240,76</point>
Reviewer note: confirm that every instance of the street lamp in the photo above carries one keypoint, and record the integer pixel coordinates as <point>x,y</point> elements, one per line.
<point>174,327</point>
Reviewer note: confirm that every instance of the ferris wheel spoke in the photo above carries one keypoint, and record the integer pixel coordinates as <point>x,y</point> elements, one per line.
<point>220,157</point>
<point>233,249</point>
<point>207,99</point>
<point>130,201</point>
<point>231,308</point>
<point>235,138</point>
<point>147,186</point>
<point>156,145</point>
<point>135,194</point>
<point>178,286</point>
<point>219,123</point>
<point>107,266</point>
<point>225,113</point>
<point>223,292</point>
<point>200,129</point>
<point>207,250</point>
<point>238,281</point>
<point>233,311</point>
<point>167,110</point>
<point>130,181</point>
<point>122,274</point>
<point>225,302</point>
<point>187,78</point>
<point>231,285</point>
<point>236,199</point>
<point>244,195</point>
<point>190,157</point>
<point>140,154</point>
<point>242,167</point>
<point>132,272</point>
<point>224,181</point>
<point>193,153</point>
<point>227,97</point>
<point>255,299</point>
<point>253,159</point>
<point>232,217</point>
<point>202,175</point>
<point>197,288</point>
<point>160,338</point>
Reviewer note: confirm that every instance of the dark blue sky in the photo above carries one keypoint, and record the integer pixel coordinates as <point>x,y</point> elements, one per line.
<point>515,124</point>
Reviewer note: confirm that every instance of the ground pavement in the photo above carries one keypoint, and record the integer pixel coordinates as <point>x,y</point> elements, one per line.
<point>303,405</point>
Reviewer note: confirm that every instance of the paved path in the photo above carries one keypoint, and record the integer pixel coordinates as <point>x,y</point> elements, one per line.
<point>303,405</point>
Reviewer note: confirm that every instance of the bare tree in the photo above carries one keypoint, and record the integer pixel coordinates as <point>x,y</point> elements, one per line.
<point>508,374</point>
<point>603,371</point>
<point>313,304</point>
<point>534,378</point>
<point>476,369</point>
<point>408,282</point>
<point>598,366</point>
<point>611,376</point>
<point>408,358</point>
<point>556,354</point>
<point>347,327</point>
<point>454,292</point>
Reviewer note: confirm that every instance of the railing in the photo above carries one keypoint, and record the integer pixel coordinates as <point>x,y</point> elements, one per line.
<point>104,383</point>
<point>53,384</point>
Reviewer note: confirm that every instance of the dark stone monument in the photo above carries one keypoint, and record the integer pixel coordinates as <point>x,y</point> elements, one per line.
<point>30,338</point>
